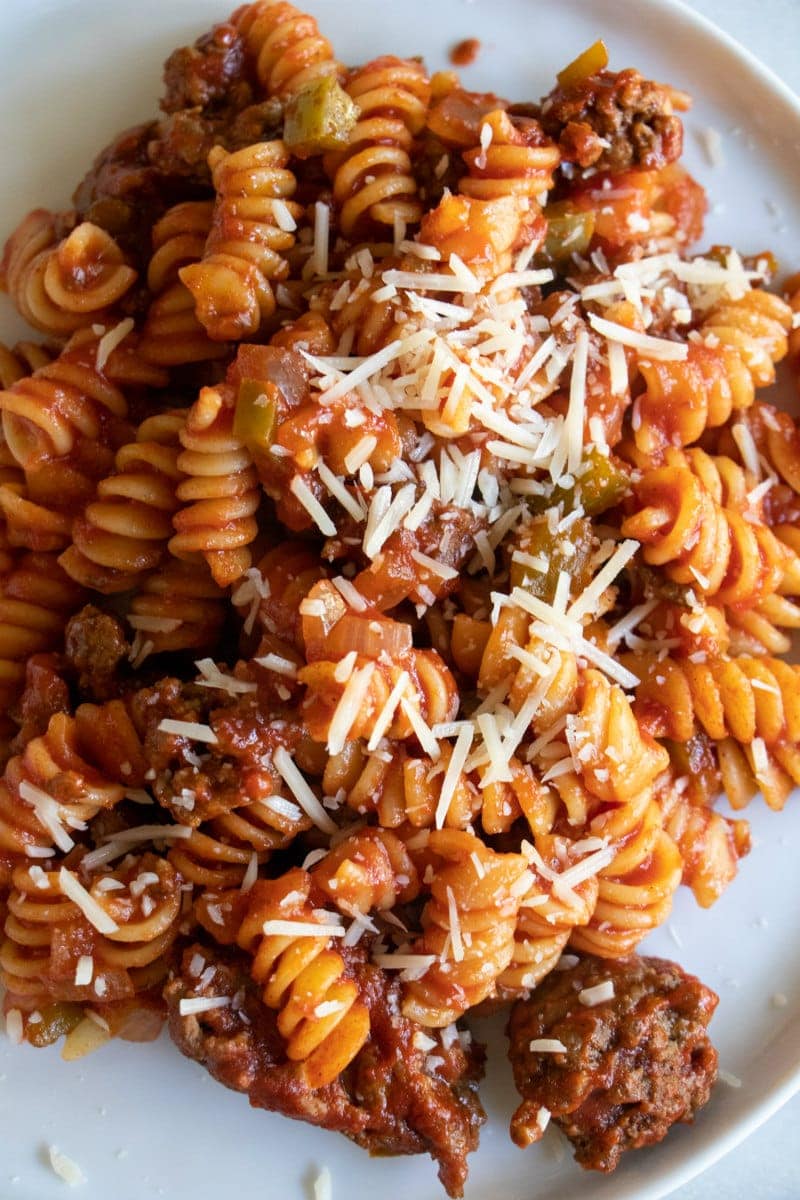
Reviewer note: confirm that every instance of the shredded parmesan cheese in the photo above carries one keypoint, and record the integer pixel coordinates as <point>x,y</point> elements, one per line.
<point>200,1004</point>
<point>65,1168</point>
<point>599,994</point>
<point>302,929</point>
<point>95,914</point>
<point>300,489</point>
<point>109,342</point>
<point>323,1186</point>
<point>547,1046</point>
<point>188,729</point>
<point>651,347</point>
<point>285,766</point>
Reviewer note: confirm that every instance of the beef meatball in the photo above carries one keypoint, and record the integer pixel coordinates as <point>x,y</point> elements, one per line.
<point>633,1064</point>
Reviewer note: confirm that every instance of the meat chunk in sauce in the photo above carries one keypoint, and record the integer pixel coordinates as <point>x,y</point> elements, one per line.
<point>392,1099</point>
<point>632,1066</point>
<point>614,121</point>
<point>96,649</point>
<point>211,72</point>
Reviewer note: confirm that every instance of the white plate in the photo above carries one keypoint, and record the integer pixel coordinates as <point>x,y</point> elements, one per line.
<point>144,1119</point>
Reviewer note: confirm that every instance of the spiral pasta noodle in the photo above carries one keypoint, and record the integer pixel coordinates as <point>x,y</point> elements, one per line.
<point>59,286</point>
<point>746,705</point>
<point>72,401</point>
<point>36,597</point>
<point>546,919</point>
<point>287,46</point>
<point>427,692</point>
<point>217,854</point>
<point>478,896</point>
<point>30,816</point>
<point>371,869</point>
<point>171,333</point>
<point>301,974</point>
<point>742,340</point>
<point>373,181</point>
<point>637,884</point>
<point>519,160</point>
<point>252,229</point>
<point>686,525</point>
<point>710,844</point>
<point>46,936</point>
<point>220,493</point>
<point>179,607</point>
<point>401,789</point>
<point>124,531</point>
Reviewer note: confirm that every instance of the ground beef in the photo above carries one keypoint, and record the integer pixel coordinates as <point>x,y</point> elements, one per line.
<point>194,781</point>
<point>386,1101</point>
<point>211,73</point>
<point>613,122</point>
<point>125,193</point>
<point>96,650</point>
<point>633,1066</point>
<point>182,140</point>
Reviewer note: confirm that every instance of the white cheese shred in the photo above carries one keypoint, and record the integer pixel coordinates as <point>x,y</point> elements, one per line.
<point>599,994</point>
<point>65,1168</point>
<point>285,766</point>
<point>95,914</point>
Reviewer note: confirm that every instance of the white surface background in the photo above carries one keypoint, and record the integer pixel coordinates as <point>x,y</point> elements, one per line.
<point>767,1165</point>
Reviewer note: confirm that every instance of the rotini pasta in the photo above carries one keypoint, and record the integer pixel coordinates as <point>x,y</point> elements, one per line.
<point>252,228</point>
<point>171,333</point>
<point>124,531</point>
<point>374,181</point>
<point>300,974</point>
<point>36,597</point>
<point>474,896</point>
<point>220,491</point>
<point>287,46</point>
<point>62,285</point>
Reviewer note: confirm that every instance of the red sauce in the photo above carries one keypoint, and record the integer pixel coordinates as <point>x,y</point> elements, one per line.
<point>465,52</point>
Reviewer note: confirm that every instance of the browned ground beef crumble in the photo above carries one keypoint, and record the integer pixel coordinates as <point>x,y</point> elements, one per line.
<point>633,1066</point>
<point>613,121</point>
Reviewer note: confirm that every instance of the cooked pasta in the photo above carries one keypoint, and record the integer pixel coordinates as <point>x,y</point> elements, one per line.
<point>221,488</point>
<point>374,181</point>
<point>475,898</point>
<point>288,49</point>
<point>62,285</point>
<point>695,520</point>
<point>252,228</point>
<point>36,597</point>
<point>302,974</point>
<point>396,563</point>
<point>171,333</point>
<point>123,533</point>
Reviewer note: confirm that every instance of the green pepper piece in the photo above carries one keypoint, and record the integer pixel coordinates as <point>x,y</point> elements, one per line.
<point>569,231</point>
<point>320,117</point>
<point>601,484</point>
<point>569,551</point>
<point>57,1020</point>
<point>254,419</point>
